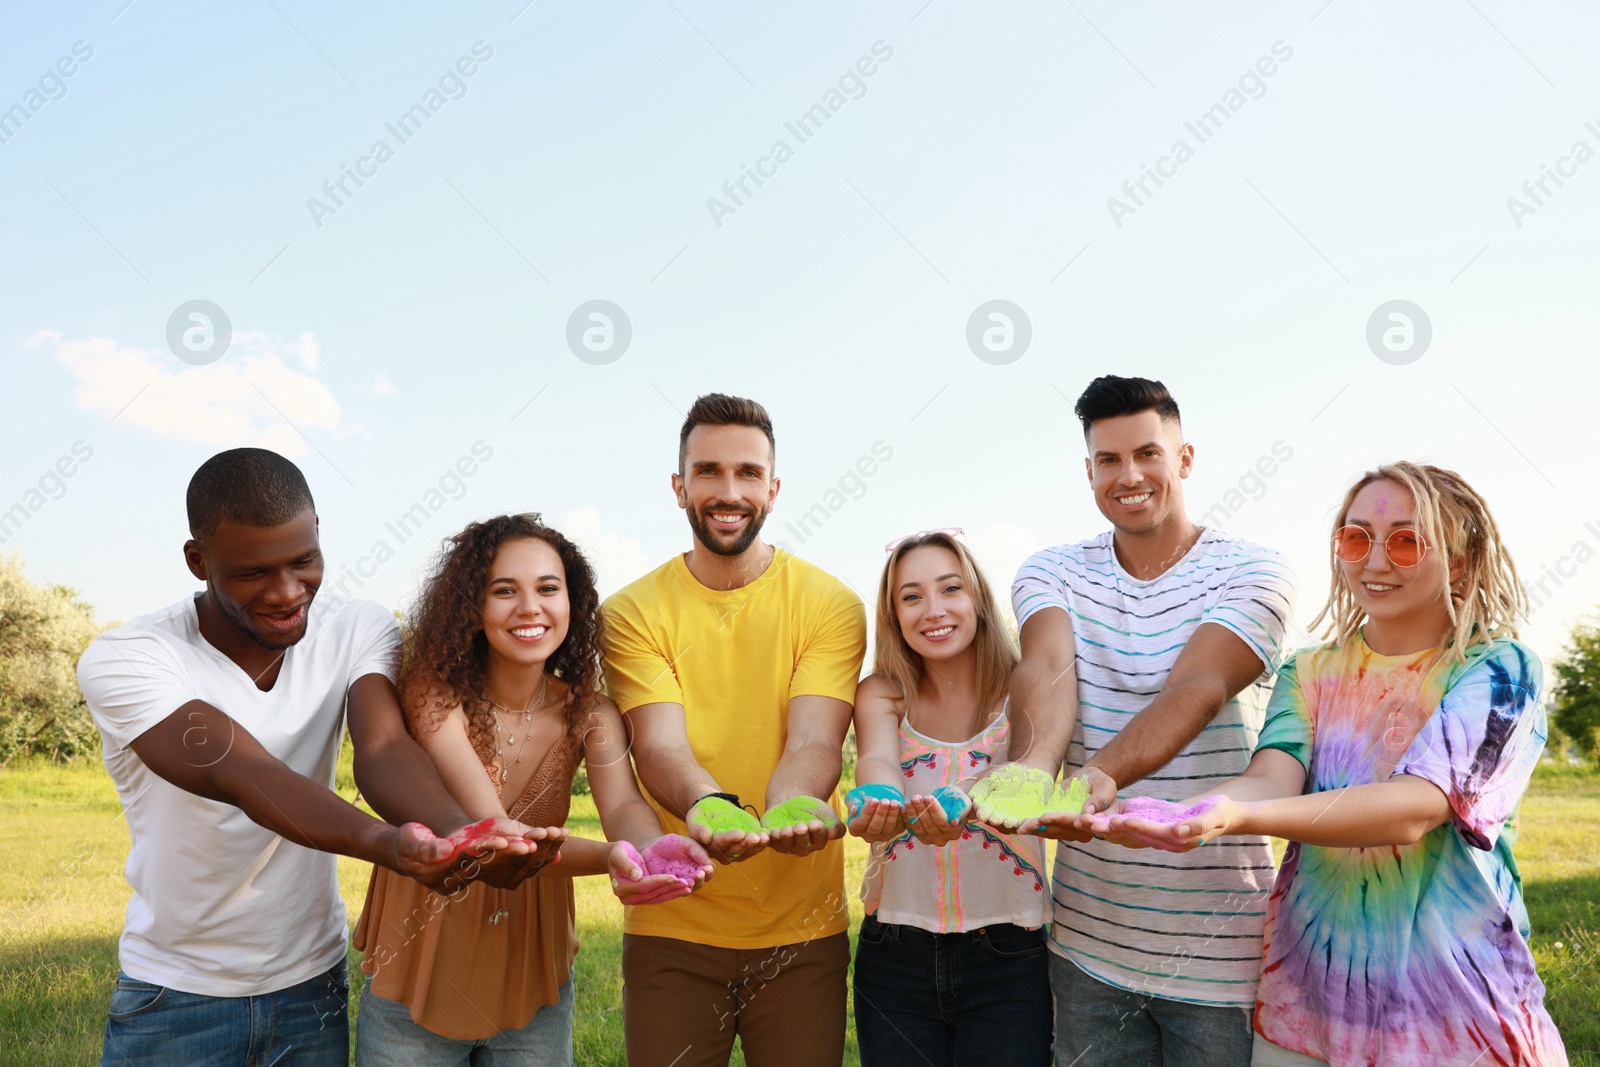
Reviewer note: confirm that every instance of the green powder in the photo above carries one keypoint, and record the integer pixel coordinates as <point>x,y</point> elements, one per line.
<point>800,811</point>
<point>1014,794</point>
<point>719,816</point>
<point>1070,800</point>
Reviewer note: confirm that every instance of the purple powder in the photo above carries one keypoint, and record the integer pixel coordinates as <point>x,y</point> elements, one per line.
<point>671,854</point>
<point>1164,811</point>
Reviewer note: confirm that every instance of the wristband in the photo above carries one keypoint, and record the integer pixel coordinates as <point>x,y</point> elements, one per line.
<point>731,798</point>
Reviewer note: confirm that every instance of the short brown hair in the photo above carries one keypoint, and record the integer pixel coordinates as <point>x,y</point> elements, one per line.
<point>719,409</point>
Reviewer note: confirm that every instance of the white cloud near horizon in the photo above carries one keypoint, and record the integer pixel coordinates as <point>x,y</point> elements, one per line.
<point>249,398</point>
<point>616,560</point>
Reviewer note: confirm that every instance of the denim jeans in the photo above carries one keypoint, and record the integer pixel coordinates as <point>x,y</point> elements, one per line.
<point>1100,1024</point>
<point>387,1035</point>
<point>306,1025</point>
<point>979,997</point>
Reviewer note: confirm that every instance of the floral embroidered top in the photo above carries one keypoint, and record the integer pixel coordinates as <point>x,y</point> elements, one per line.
<point>981,879</point>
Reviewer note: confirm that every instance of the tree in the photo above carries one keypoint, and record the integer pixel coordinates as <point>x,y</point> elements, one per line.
<point>1576,710</point>
<point>43,631</point>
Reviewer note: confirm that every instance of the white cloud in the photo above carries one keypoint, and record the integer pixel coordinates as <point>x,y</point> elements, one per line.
<point>305,348</point>
<point>616,560</point>
<point>383,386</point>
<point>242,400</point>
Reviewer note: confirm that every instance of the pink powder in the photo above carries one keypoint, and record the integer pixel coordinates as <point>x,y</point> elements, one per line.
<point>1164,811</point>
<point>669,854</point>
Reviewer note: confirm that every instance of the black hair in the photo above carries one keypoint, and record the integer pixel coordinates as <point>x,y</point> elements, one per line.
<point>251,486</point>
<point>719,409</point>
<point>1111,395</point>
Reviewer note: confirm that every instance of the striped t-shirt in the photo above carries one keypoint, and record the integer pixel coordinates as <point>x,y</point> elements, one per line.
<point>1179,926</point>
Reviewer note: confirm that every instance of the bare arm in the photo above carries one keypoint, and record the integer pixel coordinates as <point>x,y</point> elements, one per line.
<point>449,747</point>
<point>1214,666</point>
<point>812,760</point>
<point>669,770</point>
<point>200,749</point>
<point>1044,693</point>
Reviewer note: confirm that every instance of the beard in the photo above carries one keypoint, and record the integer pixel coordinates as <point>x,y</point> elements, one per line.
<point>231,612</point>
<point>716,541</point>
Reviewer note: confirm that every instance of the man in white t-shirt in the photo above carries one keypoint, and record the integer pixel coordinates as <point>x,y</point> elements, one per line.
<point>221,718</point>
<point>1147,654</point>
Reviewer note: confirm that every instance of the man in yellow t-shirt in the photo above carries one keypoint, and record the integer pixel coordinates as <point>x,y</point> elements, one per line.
<point>736,665</point>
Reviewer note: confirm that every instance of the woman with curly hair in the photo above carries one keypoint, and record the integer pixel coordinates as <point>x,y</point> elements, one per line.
<point>500,682</point>
<point>1393,759</point>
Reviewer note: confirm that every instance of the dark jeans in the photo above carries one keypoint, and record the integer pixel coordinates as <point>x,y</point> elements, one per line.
<point>981,997</point>
<point>1100,1025</point>
<point>306,1025</point>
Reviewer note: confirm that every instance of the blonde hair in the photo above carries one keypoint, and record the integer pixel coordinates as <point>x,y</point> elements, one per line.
<point>902,665</point>
<point>1485,602</point>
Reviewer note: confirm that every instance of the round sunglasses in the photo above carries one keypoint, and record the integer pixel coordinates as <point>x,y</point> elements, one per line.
<point>1405,548</point>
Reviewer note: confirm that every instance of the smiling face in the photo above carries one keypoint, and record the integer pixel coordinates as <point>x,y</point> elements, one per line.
<point>1136,466</point>
<point>524,605</point>
<point>1386,593</point>
<point>262,579</point>
<point>726,486</point>
<point>934,604</point>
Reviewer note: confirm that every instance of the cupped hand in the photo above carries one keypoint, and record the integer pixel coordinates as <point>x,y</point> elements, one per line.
<point>929,818</point>
<point>801,825</point>
<point>670,867</point>
<point>1174,827</point>
<point>728,831</point>
<point>878,820</point>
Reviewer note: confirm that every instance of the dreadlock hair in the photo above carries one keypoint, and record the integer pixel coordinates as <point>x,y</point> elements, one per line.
<point>1485,602</point>
<point>445,660</point>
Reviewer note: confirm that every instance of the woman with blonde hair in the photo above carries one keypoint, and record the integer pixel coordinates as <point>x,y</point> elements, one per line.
<point>950,961</point>
<point>1393,758</point>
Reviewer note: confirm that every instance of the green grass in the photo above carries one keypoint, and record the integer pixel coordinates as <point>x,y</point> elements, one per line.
<point>63,843</point>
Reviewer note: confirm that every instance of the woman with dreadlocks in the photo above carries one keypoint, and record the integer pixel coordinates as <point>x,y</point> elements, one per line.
<point>1394,758</point>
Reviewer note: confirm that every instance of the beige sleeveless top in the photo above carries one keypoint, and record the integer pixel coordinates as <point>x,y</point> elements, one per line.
<point>463,975</point>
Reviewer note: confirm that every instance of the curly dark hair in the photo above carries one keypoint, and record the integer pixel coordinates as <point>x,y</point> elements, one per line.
<point>446,655</point>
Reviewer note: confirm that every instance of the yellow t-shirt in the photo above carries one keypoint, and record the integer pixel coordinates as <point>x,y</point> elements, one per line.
<point>734,659</point>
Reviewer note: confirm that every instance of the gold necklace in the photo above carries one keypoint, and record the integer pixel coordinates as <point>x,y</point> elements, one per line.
<point>519,747</point>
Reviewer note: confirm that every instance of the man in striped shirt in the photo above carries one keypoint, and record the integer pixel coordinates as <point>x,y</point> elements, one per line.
<point>1147,656</point>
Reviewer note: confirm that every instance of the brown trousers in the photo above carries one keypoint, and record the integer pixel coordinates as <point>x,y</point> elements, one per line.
<point>682,1003</point>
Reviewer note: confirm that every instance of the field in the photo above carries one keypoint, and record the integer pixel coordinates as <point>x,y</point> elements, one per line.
<point>63,842</point>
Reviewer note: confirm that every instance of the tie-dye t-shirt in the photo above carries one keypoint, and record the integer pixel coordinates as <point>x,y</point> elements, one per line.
<point>1409,954</point>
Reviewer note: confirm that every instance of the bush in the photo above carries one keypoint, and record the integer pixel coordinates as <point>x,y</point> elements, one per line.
<point>43,631</point>
<point>1575,710</point>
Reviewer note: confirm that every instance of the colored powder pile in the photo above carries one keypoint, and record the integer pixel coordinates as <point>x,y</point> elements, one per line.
<point>1013,794</point>
<point>953,802</point>
<point>474,835</point>
<point>799,811</point>
<point>1165,812</point>
<point>719,816</point>
<point>857,798</point>
<point>1070,800</point>
<point>672,854</point>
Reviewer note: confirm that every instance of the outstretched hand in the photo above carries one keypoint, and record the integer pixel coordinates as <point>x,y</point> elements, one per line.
<point>801,825</point>
<point>877,812</point>
<point>941,818</point>
<point>728,831</point>
<point>1068,819</point>
<point>1144,822</point>
<point>1019,799</point>
<point>670,867</point>
<point>470,854</point>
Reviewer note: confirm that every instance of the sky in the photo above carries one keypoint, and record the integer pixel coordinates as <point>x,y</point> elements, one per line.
<point>475,261</point>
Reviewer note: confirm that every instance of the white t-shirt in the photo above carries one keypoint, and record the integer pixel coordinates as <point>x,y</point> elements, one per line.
<point>1179,926</point>
<point>221,905</point>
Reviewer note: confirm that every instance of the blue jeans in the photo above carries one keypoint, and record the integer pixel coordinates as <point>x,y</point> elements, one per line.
<point>951,999</point>
<point>1102,1025</point>
<point>306,1025</point>
<point>387,1035</point>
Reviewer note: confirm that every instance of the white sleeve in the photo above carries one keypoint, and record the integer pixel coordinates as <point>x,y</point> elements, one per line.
<point>131,682</point>
<point>1257,604</point>
<point>1040,583</point>
<point>375,648</point>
